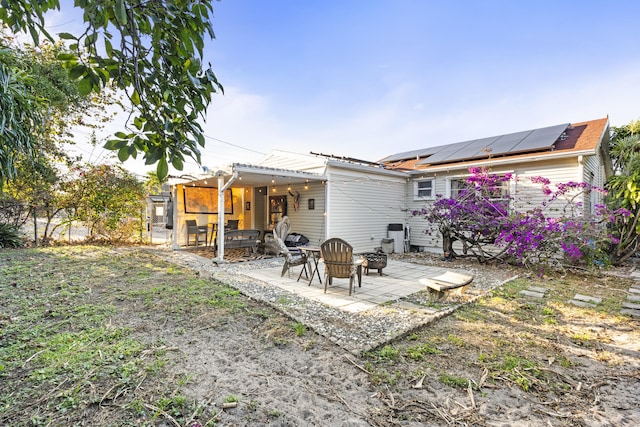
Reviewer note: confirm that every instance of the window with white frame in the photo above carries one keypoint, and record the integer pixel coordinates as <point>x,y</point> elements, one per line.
<point>423,189</point>
<point>457,185</point>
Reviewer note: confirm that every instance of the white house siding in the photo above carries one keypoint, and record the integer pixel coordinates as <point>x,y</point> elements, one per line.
<point>362,205</point>
<point>309,222</point>
<point>594,174</point>
<point>423,234</point>
<point>526,195</point>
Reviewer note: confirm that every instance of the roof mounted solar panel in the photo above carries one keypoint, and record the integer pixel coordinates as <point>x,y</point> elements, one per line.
<point>408,155</point>
<point>477,149</point>
<point>518,142</point>
<point>540,138</point>
<point>505,143</point>
<point>445,152</point>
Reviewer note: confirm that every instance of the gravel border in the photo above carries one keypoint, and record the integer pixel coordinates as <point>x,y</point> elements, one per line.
<point>355,332</point>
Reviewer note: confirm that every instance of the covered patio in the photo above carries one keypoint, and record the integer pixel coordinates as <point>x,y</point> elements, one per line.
<point>252,197</point>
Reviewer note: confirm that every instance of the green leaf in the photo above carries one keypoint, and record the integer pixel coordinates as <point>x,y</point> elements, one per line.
<point>77,71</point>
<point>121,12</point>
<point>177,163</point>
<point>122,135</point>
<point>108,47</point>
<point>85,86</point>
<point>123,154</point>
<point>67,36</point>
<point>138,122</point>
<point>34,35</point>
<point>91,39</point>
<point>114,144</point>
<point>162,170</point>
<point>66,57</point>
<point>135,98</point>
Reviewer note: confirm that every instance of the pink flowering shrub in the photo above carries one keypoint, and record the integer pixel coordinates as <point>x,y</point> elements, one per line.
<point>481,220</point>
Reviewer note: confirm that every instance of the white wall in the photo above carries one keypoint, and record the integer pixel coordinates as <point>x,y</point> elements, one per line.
<point>526,195</point>
<point>309,222</point>
<point>362,205</point>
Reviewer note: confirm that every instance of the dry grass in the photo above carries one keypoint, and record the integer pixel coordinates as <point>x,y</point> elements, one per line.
<point>113,336</point>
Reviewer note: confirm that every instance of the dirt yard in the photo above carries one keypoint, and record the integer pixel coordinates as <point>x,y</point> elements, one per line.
<point>118,336</point>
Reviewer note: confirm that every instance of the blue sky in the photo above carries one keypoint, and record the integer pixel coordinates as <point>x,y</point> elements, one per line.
<point>367,79</point>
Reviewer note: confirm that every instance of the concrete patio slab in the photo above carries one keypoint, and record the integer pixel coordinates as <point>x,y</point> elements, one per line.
<point>383,309</point>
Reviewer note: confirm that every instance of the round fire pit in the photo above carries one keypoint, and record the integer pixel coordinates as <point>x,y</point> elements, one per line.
<point>374,260</point>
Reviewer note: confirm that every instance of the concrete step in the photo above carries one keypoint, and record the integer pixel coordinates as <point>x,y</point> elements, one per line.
<point>528,293</point>
<point>587,298</point>
<point>631,305</point>
<point>634,298</point>
<point>582,303</point>
<point>630,312</point>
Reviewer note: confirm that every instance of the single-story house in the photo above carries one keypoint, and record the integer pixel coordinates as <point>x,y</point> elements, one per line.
<point>330,196</point>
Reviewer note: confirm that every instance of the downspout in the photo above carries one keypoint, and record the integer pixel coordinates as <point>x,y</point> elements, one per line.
<point>222,187</point>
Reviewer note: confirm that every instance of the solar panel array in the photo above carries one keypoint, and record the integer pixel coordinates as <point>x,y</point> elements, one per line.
<point>408,155</point>
<point>518,142</point>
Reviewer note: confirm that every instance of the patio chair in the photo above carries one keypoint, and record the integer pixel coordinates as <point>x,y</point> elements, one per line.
<point>282,228</point>
<point>339,262</point>
<point>197,230</point>
<point>291,259</point>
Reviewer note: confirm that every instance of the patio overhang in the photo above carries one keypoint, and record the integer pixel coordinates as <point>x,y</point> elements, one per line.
<point>242,176</point>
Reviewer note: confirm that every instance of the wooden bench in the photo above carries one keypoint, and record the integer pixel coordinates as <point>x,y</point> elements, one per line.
<point>248,239</point>
<point>446,284</point>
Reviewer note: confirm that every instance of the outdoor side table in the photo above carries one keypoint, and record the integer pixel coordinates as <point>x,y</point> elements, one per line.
<point>313,254</point>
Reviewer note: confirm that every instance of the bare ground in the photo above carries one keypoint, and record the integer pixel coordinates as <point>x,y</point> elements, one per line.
<point>506,360</point>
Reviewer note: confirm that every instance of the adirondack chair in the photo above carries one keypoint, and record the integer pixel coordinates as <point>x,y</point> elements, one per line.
<point>339,263</point>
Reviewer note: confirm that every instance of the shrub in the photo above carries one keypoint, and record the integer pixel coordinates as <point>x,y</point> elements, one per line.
<point>10,236</point>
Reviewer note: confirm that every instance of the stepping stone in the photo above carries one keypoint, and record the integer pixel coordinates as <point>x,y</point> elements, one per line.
<point>635,298</point>
<point>635,274</point>
<point>630,312</point>
<point>528,293</point>
<point>582,303</point>
<point>537,289</point>
<point>587,298</point>
<point>634,290</point>
<point>631,305</point>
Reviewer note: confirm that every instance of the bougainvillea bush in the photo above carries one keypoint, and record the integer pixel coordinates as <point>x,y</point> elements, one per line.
<point>555,233</point>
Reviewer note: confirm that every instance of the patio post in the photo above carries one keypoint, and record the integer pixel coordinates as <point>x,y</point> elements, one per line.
<point>221,189</point>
